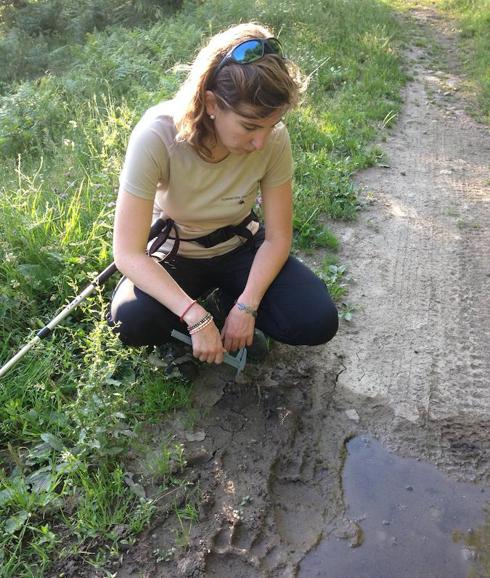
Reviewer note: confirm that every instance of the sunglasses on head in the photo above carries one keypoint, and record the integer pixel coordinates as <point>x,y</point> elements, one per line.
<point>250,51</point>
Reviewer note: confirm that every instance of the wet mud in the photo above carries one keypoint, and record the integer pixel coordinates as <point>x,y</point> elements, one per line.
<point>411,520</point>
<point>266,455</point>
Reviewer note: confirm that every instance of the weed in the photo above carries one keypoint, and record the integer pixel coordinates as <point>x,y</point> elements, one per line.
<point>164,555</point>
<point>165,461</point>
<point>188,512</point>
<point>336,280</point>
<point>346,312</point>
<point>334,277</point>
<point>186,517</point>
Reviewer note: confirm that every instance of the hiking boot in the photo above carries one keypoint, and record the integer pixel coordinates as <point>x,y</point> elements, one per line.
<point>260,347</point>
<point>178,360</point>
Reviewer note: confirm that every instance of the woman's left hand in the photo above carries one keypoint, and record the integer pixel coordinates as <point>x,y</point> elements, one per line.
<point>238,330</point>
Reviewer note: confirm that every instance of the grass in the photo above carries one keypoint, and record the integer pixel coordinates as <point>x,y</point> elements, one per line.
<point>71,410</point>
<point>472,19</point>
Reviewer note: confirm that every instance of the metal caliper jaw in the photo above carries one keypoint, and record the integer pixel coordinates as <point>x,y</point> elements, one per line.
<point>237,361</point>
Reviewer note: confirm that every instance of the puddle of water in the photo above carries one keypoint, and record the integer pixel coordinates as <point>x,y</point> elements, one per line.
<point>407,520</point>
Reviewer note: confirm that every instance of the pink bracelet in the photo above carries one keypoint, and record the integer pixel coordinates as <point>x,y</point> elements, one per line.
<point>181,318</point>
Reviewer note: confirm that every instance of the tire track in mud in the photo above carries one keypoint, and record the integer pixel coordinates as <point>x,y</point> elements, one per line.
<point>414,363</point>
<point>423,279</point>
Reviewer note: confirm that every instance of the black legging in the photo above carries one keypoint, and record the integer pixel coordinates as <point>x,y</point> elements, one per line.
<point>296,309</point>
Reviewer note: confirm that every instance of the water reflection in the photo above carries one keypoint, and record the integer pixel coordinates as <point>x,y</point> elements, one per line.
<point>414,522</point>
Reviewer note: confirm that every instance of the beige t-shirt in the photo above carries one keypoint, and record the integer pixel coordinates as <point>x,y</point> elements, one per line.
<point>198,195</point>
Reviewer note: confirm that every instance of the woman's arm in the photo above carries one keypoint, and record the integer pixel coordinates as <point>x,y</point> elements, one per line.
<point>131,227</point>
<point>269,260</point>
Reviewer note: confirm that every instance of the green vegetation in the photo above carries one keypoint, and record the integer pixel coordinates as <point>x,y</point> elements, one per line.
<point>70,411</point>
<point>474,19</point>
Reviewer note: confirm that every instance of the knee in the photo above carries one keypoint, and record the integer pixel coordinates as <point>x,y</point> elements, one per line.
<point>321,326</point>
<point>131,327</point>
<point>328,325</point>
<point>314,325</point>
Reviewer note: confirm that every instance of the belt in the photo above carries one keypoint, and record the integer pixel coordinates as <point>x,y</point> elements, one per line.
<point>210,240</point>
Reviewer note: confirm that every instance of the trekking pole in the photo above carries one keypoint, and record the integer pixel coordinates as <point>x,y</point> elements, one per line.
<point>101,278</point>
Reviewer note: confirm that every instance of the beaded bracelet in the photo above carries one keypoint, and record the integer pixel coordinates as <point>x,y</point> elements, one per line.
<point>201,327</point>
<point>206,319</point>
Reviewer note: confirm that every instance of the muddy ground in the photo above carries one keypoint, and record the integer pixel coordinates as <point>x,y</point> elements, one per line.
<point>411,369</point>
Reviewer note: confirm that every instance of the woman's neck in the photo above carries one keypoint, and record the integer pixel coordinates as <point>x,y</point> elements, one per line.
<point>218,152</point>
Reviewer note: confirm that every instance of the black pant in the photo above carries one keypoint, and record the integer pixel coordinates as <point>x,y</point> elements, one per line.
<point>296,309</point>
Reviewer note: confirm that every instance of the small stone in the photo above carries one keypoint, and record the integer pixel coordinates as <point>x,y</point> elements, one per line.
<point>385,522</point>
<point>403,173</point>
<point>446,172</point>
<point>352,415</point>
<point>409,488</point>
<point>468,554</point>
<point>197,436</point>
<point>200,457</point>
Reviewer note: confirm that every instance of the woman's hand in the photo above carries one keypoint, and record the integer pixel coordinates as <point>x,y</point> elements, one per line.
<point>238,330</point>
<point>207,345</point>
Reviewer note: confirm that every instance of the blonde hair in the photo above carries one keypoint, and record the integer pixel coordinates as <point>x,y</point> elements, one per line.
<point>254,90</point>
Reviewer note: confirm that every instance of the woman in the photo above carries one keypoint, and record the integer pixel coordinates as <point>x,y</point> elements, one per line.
<point>201,159</point>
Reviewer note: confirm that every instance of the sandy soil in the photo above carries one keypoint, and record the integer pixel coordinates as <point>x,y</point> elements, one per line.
<point>411,369</point>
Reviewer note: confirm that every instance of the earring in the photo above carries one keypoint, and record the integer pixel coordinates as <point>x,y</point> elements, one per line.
<point>212,117</point>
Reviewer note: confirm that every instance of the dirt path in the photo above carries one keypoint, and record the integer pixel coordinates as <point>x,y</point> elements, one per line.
<point>411,369</point>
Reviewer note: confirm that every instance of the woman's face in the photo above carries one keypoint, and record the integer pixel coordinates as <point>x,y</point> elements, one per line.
<point>239,134</point>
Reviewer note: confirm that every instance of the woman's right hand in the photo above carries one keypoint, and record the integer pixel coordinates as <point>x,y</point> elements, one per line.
<point>206,344</point>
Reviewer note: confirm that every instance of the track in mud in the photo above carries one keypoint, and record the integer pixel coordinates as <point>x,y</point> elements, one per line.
<point>414,363</point>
